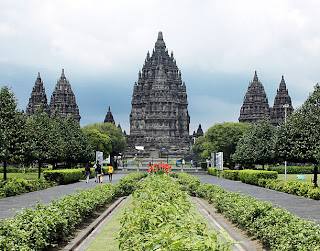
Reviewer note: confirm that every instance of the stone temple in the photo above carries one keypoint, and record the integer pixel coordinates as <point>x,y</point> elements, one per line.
<point>255,104</point>
<point>38,97</point>
<point>62,99</point>
<point>159,119</point>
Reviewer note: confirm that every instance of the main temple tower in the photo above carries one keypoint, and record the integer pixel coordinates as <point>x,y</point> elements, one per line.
<point>159,119</point>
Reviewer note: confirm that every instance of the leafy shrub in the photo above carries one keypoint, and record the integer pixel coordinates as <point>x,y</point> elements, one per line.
<point>188,182</point>
<point>293,169</point>
<point>231,174</point>
<point>252,176</point>
<point>293,187</point>
<point>160,219</point>
<point>43,226</point>
<point>275,227</point>
<point>12,187</point>
<point>64,176</point>
<point>19,170</point>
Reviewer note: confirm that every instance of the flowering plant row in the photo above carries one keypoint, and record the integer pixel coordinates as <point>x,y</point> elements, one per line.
<point>161,219</point>
<point>160,168</point>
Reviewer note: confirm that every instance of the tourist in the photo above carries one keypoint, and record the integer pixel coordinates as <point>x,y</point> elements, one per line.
<point>87,171</point>
<point>191,163</point>
<point>97,169</point>
<point>183,163</point>
<point>110,171</point>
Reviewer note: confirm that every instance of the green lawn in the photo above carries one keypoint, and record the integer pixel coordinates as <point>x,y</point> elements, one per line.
<point>293,177</point>
<point>27,176</point>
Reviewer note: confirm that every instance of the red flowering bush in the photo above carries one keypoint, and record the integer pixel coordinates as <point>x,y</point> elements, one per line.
<point>160,168</point>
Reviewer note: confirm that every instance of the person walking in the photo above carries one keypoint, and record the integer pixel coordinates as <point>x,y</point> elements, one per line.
<point>183,163</point>
<point>191,163</point>
<point>97,169</point>
<point>110,172</point>
<point>87,171</point>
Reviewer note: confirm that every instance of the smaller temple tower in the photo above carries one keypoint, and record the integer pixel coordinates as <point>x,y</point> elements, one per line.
<point>38,97</point>
<point>64,99</point>
<point>109,117</point>
<point>255,103</point>
<point>198,133</point>
<point>282,98</point>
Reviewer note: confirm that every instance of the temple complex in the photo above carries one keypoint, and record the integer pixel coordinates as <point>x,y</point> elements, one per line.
<point>255,104</point>
<point>64,99</point>
<point>38,97</point>
<point>159,119</point>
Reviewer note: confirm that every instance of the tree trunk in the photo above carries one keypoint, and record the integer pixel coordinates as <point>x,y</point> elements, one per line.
<point>4,170</point>
<point>315,175</point>
<point>39,169</point>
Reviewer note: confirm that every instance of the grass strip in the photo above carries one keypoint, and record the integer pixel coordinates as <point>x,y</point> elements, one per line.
<point>106,239</point>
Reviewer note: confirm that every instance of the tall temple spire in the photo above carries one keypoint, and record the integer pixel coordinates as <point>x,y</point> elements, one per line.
<point>282,98</point>
<point>159,117</point>
<point>38,98</point>
<point>255,103</point>
<point>64,99</point>
<point>109,117</point>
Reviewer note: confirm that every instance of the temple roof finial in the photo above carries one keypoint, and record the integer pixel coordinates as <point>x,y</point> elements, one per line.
<point>160,37</point>
<point>39,75</point>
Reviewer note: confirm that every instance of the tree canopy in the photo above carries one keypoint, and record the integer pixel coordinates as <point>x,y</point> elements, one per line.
<point>221,137</point>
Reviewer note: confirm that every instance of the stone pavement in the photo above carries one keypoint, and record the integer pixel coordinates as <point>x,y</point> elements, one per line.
<point>303,207</point>
<point>26,200</point>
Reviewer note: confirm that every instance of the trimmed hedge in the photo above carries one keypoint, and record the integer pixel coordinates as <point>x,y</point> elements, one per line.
<point>231,174</point>
<point>253,176</point>
<point>64,176</point>
<point>292,187</point>
<point>12,187</point>
<point>44,226</point>
<point>19,170</point>
<point>293,169</point>
<point>275,227</point>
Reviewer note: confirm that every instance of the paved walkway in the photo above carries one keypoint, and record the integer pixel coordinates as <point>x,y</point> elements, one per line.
<point>26,200</point>
<point>303,207</point>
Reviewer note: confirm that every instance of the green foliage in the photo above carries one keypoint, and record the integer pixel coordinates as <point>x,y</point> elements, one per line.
<point>65,176</point>
<point>98,141</point>
<point>188,182</point>
<point>118,140</point>
<point>275,227</point>
<point>44,226</point>
<point>231,174</point>
<point>256,146</point>
<point>12,187</point>
<point>293,169</point>
<point>12,129</point>
<point>161,219</point>
<point>19,170</point>
<point>198,146</point>
<point>127,184</point>
<point>252,176</point>
<point>292,187</point>
<point>222,138</point>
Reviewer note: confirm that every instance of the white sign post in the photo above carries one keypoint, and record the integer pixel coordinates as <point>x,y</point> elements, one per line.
<point>99,157</point>
<point>212,160</point>
<point>219,160</point>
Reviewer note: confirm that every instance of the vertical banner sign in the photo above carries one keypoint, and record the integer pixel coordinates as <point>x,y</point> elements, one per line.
<point>99,157</point>
<point>212,159</point>
<point>219,160</point>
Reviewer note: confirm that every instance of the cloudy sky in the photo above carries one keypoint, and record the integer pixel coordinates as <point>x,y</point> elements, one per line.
<point>218,45</point>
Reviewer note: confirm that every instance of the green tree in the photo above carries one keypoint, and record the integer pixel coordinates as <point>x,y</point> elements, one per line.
<point>223,137</point>
<point>12,130</point>
<point>76,146</point>
<point>298,139</point>
<point>98,141</point>
<point>39,139</point>
<point>198,146</point>
<point>256,145</point>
